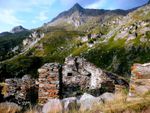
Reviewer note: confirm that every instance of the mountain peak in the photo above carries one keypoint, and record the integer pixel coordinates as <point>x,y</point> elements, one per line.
<point>18,29</point>
<point>148,2</point>
<point>77,7</point>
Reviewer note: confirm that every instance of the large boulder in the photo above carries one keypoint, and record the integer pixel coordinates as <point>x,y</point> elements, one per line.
<point>70,104</point>
<point>87,101</point>
<point>52,106</point>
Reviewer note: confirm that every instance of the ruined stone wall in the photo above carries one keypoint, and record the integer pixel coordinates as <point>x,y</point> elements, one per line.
<point>140,80</point>
<point>74,78</point>
<point>21,90</point>
<point>49,82</point>
<point>81,76</point>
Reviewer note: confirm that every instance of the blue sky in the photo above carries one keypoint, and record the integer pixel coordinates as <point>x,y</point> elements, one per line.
<point>34,13</point>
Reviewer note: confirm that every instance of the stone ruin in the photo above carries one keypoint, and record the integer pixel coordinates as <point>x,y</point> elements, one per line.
<point>22,91</point>
<point>74,78</point>
<point>140,80</point>
<point>49,82</point>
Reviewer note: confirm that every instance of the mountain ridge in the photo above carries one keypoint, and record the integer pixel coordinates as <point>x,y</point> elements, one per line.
<point>77,15</point>
<point>78,11</point>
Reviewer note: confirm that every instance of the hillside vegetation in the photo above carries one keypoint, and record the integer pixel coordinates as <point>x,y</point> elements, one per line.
<point>121,41</point>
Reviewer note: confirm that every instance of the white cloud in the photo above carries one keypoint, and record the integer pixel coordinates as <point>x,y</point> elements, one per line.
<point>25,5</point>
<point>42,16</point>
<point>8,17</point>
<point>96,5</point>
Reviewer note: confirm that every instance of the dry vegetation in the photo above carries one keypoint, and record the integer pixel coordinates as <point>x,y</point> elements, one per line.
<point>120,105</point>
<point>9,108</point>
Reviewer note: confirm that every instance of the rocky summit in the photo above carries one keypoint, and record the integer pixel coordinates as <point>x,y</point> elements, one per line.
<point>18,29</point>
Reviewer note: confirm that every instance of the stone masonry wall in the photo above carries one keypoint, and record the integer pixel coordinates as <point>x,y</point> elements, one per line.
<point>74,78</point>
<point>140,80</point>
<point>21,90</point>
<point>49,82</point>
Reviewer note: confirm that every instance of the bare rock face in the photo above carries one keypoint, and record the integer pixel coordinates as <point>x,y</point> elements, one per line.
<point>140,80</point>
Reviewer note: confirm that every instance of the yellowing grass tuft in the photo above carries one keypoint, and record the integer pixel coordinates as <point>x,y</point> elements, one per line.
<point>9,108</point>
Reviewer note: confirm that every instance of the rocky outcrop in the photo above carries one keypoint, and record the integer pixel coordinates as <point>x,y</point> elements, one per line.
<point>32,40</point>
<point>140,80</point>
